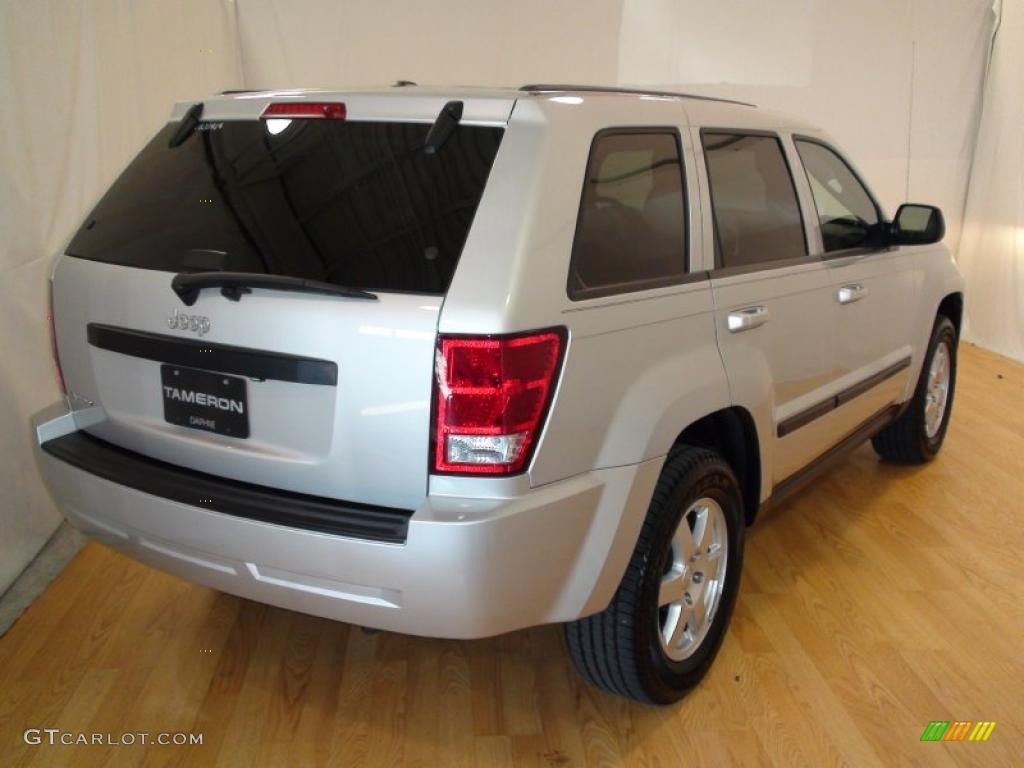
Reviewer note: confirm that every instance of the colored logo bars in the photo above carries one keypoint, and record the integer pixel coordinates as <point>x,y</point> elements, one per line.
<point>958,730</point>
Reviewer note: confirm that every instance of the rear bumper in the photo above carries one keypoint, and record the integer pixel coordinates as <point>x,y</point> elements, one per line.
<point>469,567</point>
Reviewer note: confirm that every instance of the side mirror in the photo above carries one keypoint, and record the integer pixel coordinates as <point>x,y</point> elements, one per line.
<point>918,225</point>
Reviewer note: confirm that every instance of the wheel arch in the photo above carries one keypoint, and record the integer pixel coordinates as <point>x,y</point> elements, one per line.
<point>952,306</point>
<point>733,434</point>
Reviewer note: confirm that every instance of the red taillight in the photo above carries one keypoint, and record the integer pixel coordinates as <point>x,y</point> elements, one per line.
<point>53,343</point>
<point>305,110</point>
<point>491,397</point>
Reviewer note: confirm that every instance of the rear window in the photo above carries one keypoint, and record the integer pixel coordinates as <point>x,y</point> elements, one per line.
<point>631,231</point>
<point>757,216</point>
<point>357,204</point>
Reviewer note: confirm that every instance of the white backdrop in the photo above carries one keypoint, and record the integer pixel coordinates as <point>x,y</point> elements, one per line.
<point>992,248</point>
<point>83,84</point>
<point>897,82</point>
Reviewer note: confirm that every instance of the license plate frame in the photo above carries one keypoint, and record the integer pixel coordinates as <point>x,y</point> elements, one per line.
<point>205,400</point>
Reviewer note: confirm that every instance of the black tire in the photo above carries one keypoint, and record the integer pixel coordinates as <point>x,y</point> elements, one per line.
<point>906,440</point>
<point>620,649</point>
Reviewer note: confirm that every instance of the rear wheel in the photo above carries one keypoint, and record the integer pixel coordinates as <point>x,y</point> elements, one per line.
<point>662,629</point>
<point>917,435</point>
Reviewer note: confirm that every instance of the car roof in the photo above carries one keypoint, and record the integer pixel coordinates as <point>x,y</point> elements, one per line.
<point>493,104</point>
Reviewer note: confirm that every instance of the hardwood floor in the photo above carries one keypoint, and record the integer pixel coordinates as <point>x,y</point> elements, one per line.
<point>876,601</point>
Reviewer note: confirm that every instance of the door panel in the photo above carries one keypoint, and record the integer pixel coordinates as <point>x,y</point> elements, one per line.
<point>876,296</point>
<point>784,365</point>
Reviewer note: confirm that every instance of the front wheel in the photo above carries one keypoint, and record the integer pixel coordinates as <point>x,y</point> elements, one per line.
<point>662,629</point>
<point>917,435</point>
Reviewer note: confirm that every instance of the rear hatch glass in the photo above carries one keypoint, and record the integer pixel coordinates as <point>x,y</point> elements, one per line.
<point>352,203</point>
<point>204,386</point>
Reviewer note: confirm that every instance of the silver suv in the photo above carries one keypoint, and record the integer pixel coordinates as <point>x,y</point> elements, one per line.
<point>456,362</point>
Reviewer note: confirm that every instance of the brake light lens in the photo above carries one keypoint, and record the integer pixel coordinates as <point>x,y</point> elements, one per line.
<point>53,341</point>
<point>305,110</point>
<point>491,397</point>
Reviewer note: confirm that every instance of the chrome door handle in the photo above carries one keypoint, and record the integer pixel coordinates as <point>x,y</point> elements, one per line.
<point>851,293</point>
<point>747,318</point>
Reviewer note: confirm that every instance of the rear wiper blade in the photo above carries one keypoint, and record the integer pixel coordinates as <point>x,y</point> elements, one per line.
<point>187,125</point>
<point>233,284</point>
<point>444,126</point>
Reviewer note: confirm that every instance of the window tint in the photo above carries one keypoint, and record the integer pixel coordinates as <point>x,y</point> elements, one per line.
<point>631,232</point>
<point>846,212</point>
<point>757,217</point>
<point>352,203</point>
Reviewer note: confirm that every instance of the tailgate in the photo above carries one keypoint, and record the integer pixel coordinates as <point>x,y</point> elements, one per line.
<point>362,438</point>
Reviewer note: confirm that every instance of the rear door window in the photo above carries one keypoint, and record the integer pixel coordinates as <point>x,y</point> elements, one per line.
<point>757,216</point>
<point>352,203</point>
<point>631,229</point>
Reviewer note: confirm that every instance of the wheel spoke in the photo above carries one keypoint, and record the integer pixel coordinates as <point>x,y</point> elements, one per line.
<point>683,542</point>
<point>700,609</point>
<point>671,590</point>
<point>940,373</point>
<point>683,618</point>
<point>712,553</point>
<point>703,531</point>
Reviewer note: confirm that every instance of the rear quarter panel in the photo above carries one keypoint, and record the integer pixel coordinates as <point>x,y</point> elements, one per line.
<point>640,366</point>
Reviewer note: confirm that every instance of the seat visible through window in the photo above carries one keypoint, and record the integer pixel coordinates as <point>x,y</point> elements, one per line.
<point>757,216</point>
<point>631,232</point>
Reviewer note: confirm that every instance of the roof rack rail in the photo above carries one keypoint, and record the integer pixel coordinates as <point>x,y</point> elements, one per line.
<point>552,87</point>
<point>239,90</point>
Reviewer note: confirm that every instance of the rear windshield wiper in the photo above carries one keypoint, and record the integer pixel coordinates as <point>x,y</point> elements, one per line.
<point>233,284</point>
<point>187,125</point>
<point>443,128</point>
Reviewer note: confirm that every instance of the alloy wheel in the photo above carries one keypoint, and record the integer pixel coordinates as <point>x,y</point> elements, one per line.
<point>694,578</point>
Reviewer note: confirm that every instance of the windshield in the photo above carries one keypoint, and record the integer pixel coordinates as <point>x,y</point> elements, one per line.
<point>357,204</point>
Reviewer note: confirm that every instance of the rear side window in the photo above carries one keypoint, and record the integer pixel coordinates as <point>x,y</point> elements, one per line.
<point>757,216</point>
<point>847,213</point>
<point>351,203</point>
<point>631,230</point>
